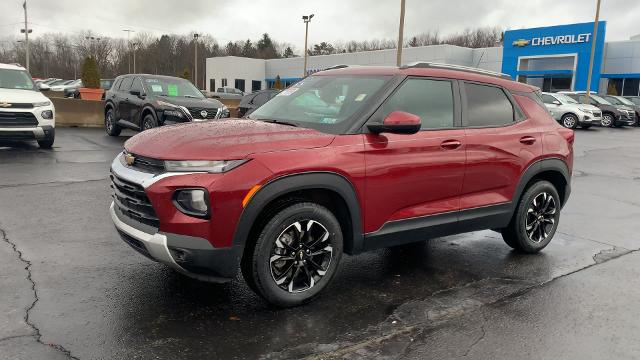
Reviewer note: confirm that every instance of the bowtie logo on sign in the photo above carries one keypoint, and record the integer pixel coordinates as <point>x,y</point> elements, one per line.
<point>521,42</point>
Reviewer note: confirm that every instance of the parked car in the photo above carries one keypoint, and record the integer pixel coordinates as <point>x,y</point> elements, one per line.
<point>57,83</point>
<point>612,116</point>
<point>395,156</point>
<point>634,99</point>
<point>626,104</point>
<point>66,85</point>
<point>142,102</point>
<point>74,91</point>
<point>254,100</point>
<point>25,114</point>
<point>570,113</point>
<point>51,80</point>
<point>226,93</point>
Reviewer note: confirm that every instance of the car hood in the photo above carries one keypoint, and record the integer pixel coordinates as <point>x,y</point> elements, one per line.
<point>223,140</point>
<point>21,96</point>
<point>586,107</point>
<point>191,103</point>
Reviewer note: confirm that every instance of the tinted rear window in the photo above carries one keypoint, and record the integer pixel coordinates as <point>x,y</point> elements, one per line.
<point>487,106</point>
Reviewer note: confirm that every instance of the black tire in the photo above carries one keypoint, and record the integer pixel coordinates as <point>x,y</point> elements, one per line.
<point>608,120</point>
<point>570,121</point>
<point>47,143</point>
<point>522,234</point>
<point>149,122</point>
<point>110,125</point>
<point>299,276</point>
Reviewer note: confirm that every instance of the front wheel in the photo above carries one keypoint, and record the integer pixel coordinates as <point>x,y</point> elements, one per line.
<point>149,122</point>
<point>608,120</point>
<point>110,124</point>
<point>535,220</point>
<point>570,121</point>
<point>296,255</point>
<point>47,143</point>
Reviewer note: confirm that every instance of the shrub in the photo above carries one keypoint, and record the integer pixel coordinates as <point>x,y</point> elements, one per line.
<point>90,73</point>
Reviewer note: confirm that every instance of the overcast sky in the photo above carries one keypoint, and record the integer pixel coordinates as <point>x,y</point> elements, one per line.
<point>335,20</point>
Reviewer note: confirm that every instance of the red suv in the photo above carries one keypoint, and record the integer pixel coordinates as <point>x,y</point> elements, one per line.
<point>347,160</point>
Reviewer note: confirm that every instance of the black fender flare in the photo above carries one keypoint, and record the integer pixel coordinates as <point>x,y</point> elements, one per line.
<point>150,109</point>
<point>109,104</point>
<point>538,167</point>
<point>303,181</point>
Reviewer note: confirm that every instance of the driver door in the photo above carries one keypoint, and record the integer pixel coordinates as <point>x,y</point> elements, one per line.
<point>414,181</point>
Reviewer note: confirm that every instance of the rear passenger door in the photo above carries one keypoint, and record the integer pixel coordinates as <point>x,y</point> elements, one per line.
<point>124,105</point>
<point>501,143</point>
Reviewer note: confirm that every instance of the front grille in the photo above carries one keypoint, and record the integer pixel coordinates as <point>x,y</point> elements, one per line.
<point>17,119</point>
<point>133,201</point>
<point>17,106</point>
<point>147,164</point>
<point>196,113</point>
<point>135,244</point>
<point>16,135</point>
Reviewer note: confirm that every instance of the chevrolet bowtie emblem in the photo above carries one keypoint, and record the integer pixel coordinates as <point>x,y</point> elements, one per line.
<point>129,159</point>
<point>5,104</point>
<point>521,42</point>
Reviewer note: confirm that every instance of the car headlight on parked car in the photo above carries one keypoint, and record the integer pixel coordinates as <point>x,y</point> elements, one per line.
<point>47,114</point>
<point>210,166</point>
<point>174,113</point>
<point>41,104</point>
<point>585,110</point>
<point>192,202</point>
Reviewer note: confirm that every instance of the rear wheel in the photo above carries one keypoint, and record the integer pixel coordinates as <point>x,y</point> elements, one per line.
<point>535,220</point>
<point>110,124</point>
<point>296,255</point>
<point>570,121</point>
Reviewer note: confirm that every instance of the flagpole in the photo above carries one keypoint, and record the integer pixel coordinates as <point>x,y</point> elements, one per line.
<point>26,31</point>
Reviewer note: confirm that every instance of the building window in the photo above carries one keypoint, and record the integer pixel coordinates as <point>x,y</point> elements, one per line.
<point>212,84</point>
<point>239,84</point>
<point>630,87</point>
<point>224,82</point>
<point>256,85</point>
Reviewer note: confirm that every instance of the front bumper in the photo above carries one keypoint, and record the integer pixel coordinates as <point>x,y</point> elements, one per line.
<point>26,133</point>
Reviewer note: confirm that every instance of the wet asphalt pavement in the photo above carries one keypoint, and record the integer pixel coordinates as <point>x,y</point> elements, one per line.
<point>70,288</point>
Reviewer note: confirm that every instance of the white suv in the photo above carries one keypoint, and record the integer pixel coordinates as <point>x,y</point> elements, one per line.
<point>25,113</point>
<point>569,113</point>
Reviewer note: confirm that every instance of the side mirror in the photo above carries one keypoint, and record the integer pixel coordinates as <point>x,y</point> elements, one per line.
<point>43,87</point>
<point>556,102</point>
<point>397,122</point>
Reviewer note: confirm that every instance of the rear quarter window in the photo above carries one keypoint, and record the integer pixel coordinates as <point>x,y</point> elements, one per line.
<point>487,106</point>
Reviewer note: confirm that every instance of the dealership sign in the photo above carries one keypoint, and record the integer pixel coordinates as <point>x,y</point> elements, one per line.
<point>554,40</point>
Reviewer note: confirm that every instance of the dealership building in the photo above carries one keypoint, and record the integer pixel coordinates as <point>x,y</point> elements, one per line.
<point>554,58</point>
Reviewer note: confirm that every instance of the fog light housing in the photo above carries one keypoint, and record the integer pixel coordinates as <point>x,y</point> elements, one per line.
<point>47,114</point>
<point>193,202</point>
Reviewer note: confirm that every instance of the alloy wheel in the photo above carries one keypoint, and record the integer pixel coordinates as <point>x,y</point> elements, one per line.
<point>607,120</point>
<point>541,217</point>
<point>301,256</point>
<point>569,121</point>
<point>109,121</point>
<point>148,124</point>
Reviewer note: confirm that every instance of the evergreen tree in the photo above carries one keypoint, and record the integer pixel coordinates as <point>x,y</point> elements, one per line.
<point>288,52</point>
<point>90,73</point>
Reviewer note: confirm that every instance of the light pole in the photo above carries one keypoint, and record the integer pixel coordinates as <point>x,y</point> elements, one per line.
<point>594,38</point>
<point>195,61</point>
<point>400,34</point>
<point>26,32</point>
<point>135,44</point>
<point>128,31</point>
<point>306,20</point>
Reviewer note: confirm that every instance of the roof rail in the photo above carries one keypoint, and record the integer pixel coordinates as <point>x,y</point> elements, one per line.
<point>341,66</point>
<point>423,64</point>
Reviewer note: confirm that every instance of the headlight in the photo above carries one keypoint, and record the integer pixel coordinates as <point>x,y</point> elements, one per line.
<point>41,104</point>
<point>622,110</point>
<point>174,113</point>
<point>192,202</point>
<point>213,166</point>
<point>47,114</point>
<point>585,110</point>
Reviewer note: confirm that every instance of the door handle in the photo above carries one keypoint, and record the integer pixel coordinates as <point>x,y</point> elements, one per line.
<point>528,140</point>
<point>450,144</point>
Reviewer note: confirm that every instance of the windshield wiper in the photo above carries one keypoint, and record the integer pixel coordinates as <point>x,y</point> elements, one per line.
<point>273,121</point>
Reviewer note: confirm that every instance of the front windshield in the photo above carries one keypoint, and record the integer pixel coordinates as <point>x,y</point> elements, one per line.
<point>15,79</point>
<point>624,101</point>
<point>566,99</point>
<point>321,102</point>
<point>636,100</point>
<point>600,100</point>
<point>614,100</point>
<point>171,87</point>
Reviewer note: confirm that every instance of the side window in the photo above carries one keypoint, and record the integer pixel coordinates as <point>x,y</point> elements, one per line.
<point>137,85</point>
<point>260,99</point>
<point>487,106</point>
<point>548,99</point>
<point>126,84</point>
<point>116,84</point>
<point>431,100</point>
<point>220,90</point>
<point>224,82</point>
